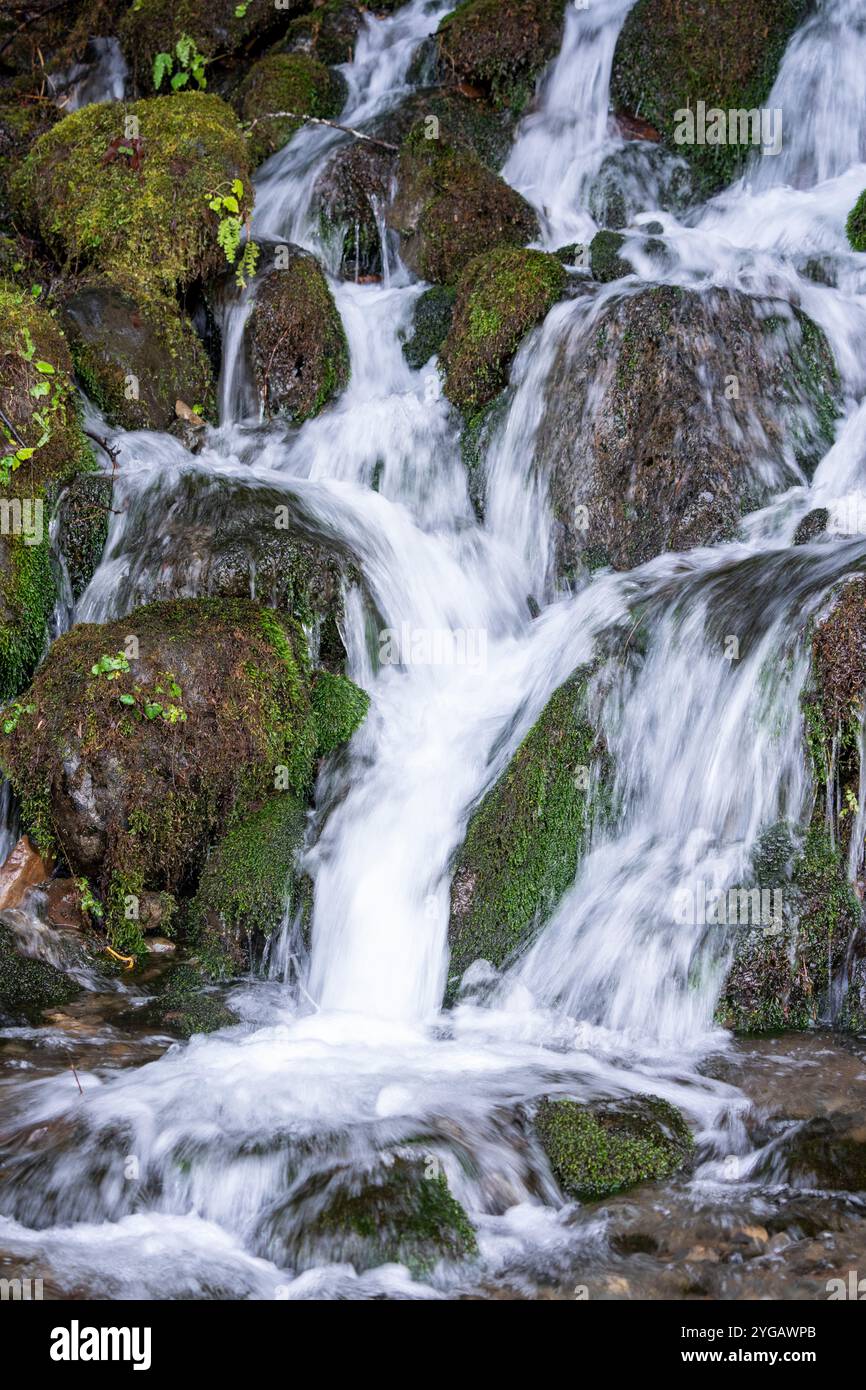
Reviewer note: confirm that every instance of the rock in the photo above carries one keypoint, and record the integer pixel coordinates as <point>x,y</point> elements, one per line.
<point>185,1004</point>
<point>329,31</point>
<point>142,217</point>
<point>635,177</point>
<point>351,196</point>
<point>604,1147</point>
<point>605,260</point>
<point>501,46</point>
<point>36,381</point>
<point>670,54</point>
<point>829,1152</point>
<point>23,869</point>
<point>527,837</point>
<point>814,524</point>
<point>217,27</point>
<point>286,82</point>
<point>339,707</point>
<point>83,513</point>
<point>296,341</point>
<point>392,1214</point>
<point>63,905</point>
<point>135,766</point>
<point>27,984</point>
<point>856,224</point>
<point>450,208</point>
<point>135,355</point>
<point>431,320</point>
<point>501,295</point>
<point>670,413</point>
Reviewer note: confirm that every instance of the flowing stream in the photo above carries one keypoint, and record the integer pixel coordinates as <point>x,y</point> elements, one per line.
<point>163,1178</point>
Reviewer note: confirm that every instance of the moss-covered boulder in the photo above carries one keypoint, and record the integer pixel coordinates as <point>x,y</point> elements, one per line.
<point>673,53</point>
<point>186,1003</point>
<point>449,208</point>
<point>605,1147</point>
<point>673,413</point>
<point>856,224</point>
<point>395,1213</point>
<point>22,120</point>
<point>286,82</point>
<point>82,531</point>
<point>527,837</point>
<point>41,449</point>
<point>328,30</point>
<point>296,341</point>
<point>500,296</point>
<point>605,261</point>
<point>431,319</point>
<point>220,29</point>
<point>134,764</point>
<point>28,984</point>
<point>135,354</point>
<point>501,46</point>
<point>126,187</point>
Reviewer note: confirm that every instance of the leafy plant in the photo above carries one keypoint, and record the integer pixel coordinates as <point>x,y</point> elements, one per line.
<point>13,713</point>
<point>89,903</point>
<point>230,230</point>
<point>111,667</point>
<point>186,62</point>
<point>51,388</point>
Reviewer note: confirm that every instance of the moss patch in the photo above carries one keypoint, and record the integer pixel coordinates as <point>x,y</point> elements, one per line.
<point>297,342</point>
<point>150,27</point>
<point>286,82</point>
<point>500,297</point>
<point>501,46</point>
<point>856,224</point>
<point>29,985</point>
<point>599,1149</point>
<point>339,707</point>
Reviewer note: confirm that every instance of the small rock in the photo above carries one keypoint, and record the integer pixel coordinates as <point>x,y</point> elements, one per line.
<point>24,869</point>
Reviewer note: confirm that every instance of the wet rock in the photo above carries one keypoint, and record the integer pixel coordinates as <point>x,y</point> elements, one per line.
<point>814,524</point>
<point>450,208</point>
<point>329,31</point>
<point>431,320</point>
<point>63,908</point>
<point>394,1213</point>
<point>531,830</point>
<point>135,355</point>
<point>137,211</point>
<point>83,513</point>
<point>670,54</point>
<point>27,984</point>
<point>185,1004</point>
<point>23,869</point>
<point>286,82</point>
<point>605,260</point>
<point>135,765</point>
<point>856,224</point>
<point>605,1147</point>
<point>500,296</point>
<point>501,46</point>
<point>669,414</point>
<point>296,341</point>
<point>217,27</point>
<point>829,1152</point>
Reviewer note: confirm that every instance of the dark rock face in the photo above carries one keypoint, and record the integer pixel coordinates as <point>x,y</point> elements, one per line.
<point>296,341</point>
<point>431,320</point>
<point>501,46</point>
<point>701,405</point>
<point>605,1147</point>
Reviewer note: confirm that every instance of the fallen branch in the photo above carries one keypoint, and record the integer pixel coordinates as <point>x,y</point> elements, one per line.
<point>320,120</point>
<point>113,454</point>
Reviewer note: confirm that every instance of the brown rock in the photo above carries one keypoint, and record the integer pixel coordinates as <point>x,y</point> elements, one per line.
<point>24,869</point>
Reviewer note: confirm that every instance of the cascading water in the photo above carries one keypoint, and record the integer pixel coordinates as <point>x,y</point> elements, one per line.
<point>348,1054</point>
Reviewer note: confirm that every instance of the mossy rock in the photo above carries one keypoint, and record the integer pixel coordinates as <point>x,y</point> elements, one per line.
<point>450,208</point>
<point>54,38</point>
<point>23,119</point>
<point>296,341</point>
<point>132,767</point>
<point>83,512</point>
<point>605,1147</point>
<point>142,217</point>
<point>501,46</point>
<point>393,1214</point>
<point>35,359</point>
<point>813,525</point>
<point>340,707</point>
<point>605,261</point>
<point>527,837</point>
<point>501,295</point>
<point>673,53</point>
<point>186,1004</point>
<point>856,224</point>
<point>431,319</point>
<point>328,31</point>
<point>27,984</point>
<point>674,413</point>
<point>135,354</point>
<point>150,27</point>
<point>286,82</point>
<point>828,1152</point>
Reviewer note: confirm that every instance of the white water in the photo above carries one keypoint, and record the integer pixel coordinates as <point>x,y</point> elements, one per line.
<point>613,997</point>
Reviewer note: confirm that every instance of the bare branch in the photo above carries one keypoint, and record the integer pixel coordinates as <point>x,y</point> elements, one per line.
<point>320,120</point>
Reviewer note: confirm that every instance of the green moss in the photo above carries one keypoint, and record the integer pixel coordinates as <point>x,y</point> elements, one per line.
<point>501,45</point>
<point>501,295</point>
<point>151,225</point>
<point>431,320</point>
<point>597,1150</point>
<point>185,1005</point>
<point>299,350</point>
<point>526,839</point>
<point>339,707</point>
<point>286,82</point>
<point>856,224</point>
<point>150,27</point>
<point>605,260</point>
<point>29,985</point>
<point>673,53</point>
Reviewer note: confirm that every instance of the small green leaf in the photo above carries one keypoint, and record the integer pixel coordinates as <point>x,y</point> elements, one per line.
<point>125,699</point>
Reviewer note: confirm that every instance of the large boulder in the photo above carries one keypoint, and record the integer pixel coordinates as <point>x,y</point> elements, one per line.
<point>606,1147</point>
<point>41,449</point>
<point>137,206</point>
<point>500,297</point>
<point>219,29</point>
<point>449,208</point>
<point>28,982</point>
<point>296,341</point>
<point>501,46</point>
<point>141,741</point>
<point>135,354</point>
<point>671,413</point>
<point>286,82</point>
<point>529,833</point>
<point>673,53</point>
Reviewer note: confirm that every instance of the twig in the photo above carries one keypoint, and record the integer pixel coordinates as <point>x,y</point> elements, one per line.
<point>113,454</point>
<point>320,120</point>
<point>75,1074</point>
<point>11,428</point>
